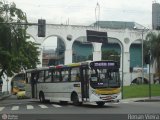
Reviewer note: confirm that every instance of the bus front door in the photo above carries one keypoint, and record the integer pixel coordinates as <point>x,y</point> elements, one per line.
<point>84,84</point>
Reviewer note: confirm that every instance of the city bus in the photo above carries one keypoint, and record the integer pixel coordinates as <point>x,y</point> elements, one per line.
<point>90,81</point>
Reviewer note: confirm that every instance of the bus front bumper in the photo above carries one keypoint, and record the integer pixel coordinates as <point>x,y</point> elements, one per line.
<point>105,98</point>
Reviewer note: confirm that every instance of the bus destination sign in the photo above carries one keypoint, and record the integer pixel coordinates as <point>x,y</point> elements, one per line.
<point>104,64</point>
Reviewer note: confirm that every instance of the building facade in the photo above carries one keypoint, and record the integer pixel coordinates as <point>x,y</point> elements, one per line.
<point>155,16</point>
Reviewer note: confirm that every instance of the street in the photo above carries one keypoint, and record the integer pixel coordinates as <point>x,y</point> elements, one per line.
<point>12,105</point>
<point>30,106</point>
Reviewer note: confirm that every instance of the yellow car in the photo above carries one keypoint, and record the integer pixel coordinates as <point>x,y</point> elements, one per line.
<point>15,90</point>
<point>21,94</point>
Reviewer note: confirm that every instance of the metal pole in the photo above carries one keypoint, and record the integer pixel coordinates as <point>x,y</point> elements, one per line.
<point>122,75</point>
<point>149,76</point>
<point>142,59</point>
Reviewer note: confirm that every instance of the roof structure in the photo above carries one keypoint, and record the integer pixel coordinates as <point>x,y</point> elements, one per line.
<point>118,25</point>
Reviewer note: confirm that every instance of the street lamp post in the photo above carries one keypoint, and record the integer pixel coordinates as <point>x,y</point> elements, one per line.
<point>149,74</point>
<point>142,57</point>
<point>142,52</point>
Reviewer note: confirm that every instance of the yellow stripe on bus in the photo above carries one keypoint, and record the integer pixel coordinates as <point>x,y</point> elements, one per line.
<point>73,64</point>
<point>108,91</point>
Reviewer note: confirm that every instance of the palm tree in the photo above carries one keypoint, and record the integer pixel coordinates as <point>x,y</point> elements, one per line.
<point>152,45</point>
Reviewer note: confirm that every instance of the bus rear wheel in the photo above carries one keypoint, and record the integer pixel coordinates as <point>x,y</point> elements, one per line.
<point>41,97</point>
<point>75,100</point>
<point>100,104</point>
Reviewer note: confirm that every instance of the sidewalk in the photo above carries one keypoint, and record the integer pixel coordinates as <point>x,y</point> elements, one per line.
<point>144,99</point>
<point>4,95</point>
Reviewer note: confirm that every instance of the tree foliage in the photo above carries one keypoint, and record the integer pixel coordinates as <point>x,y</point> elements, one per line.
<point>15,51</point>
<point>152,45</point>
<point>110,55</point>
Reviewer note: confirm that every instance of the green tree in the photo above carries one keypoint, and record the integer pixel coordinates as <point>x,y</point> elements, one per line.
<point>110,55</point>
<point>15,51</point>
<point>152,45</point>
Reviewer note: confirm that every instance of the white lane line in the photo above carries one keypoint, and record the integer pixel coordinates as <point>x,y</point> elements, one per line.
<point>1,108</point>
<point>15,108</point>
<point>43,106</point>
<point>29,107</point>
<point>116,103</point>
<point>56,105</point>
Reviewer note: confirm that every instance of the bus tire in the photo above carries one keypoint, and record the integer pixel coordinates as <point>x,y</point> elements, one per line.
<point>41,97</point>
<point>100,104</point>
<point>75,99</point>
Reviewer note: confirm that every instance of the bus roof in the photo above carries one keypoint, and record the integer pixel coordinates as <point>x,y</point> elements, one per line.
<point>41,68</point>
<point>85,63</point>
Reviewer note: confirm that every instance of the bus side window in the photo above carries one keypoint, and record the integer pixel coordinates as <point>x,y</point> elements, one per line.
<point>53,76</point>
<point>78,77</point>
<point>41,76</point>
<point>57,76</point>
<point>75,74</point>
<point>65,78</point>
<point>47,76</point>
<point>65,75</point>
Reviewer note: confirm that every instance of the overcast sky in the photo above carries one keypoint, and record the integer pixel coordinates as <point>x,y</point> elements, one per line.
<point>82,12</point>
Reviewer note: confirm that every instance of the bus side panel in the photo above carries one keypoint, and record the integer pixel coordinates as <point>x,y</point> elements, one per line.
<point>59,91</point>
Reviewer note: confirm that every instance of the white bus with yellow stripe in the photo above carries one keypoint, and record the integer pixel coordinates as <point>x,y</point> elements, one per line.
<point>91,81</point>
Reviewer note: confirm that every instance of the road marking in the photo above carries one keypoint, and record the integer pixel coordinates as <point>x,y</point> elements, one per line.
<point>1,108</point>
<point>15,108</point>
<point>56,105</point>
<point>116,103</point>
<point>29,107</point>
<point>43,106</point>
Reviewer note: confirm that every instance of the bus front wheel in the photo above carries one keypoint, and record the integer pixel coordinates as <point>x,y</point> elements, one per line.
<point>75,100</point>
<point>100,104</point>
<point>41,97</point>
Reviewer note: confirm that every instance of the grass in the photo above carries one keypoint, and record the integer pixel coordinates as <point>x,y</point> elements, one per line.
<point>135,91</point>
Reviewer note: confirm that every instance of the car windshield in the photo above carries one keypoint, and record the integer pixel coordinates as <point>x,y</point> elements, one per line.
<point>104,78</point>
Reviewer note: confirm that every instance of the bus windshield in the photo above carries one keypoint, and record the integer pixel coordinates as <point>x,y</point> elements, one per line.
<point>104,78</point>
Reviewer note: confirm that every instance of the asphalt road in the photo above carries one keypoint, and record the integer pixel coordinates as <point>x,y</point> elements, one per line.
<point>28,107</point>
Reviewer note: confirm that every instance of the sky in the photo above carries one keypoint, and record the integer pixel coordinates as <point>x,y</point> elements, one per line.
<point>82,12</point>
<point>86,12</point>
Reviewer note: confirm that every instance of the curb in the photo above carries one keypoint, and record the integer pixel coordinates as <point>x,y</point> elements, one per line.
<point>145,99</point>
<point>4,97</point>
